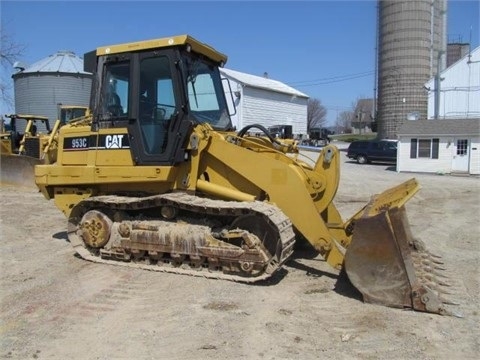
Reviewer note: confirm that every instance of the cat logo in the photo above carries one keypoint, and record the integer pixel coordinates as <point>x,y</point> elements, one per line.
<point>113,141</point>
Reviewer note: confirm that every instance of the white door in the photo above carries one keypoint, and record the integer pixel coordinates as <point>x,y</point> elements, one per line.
<point>460,155</point>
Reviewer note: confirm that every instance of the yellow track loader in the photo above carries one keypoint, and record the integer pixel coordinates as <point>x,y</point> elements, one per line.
<point>20,152</point>
<point>156,178</point>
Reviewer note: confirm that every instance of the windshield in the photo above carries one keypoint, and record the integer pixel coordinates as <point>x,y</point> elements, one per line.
<point>206,95</point>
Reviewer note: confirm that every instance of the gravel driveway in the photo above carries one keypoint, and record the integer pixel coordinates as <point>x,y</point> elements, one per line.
<point>55,305</point>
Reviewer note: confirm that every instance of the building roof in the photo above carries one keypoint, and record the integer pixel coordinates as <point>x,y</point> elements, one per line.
<point>261,82</point>
<point>440,127</point>
<point>363,113</point>
<point>61,62</point>
<point>364,106</point>
<point>471,57</point>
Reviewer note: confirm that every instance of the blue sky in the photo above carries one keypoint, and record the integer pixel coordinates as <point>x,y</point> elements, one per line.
<point>310,45</point>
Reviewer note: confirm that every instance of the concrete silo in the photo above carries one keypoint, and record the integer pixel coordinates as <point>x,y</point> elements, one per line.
<point>411,50</point>
<point>57,79</point>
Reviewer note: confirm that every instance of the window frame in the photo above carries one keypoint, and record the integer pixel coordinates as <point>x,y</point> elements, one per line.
<point>418,148</point>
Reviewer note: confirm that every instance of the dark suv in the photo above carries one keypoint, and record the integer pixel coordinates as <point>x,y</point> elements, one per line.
<point>374,150</point>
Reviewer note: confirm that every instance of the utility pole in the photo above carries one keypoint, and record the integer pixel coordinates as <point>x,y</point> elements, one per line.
<point>437,86</point>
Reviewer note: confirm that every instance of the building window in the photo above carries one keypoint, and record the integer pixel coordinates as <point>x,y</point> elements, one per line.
<point>413,149</point>
<point>435,146</point>
<point>462,145</point>
<point>424,148</point>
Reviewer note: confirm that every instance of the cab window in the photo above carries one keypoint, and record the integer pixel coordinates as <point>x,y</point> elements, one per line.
<point>115,91</point>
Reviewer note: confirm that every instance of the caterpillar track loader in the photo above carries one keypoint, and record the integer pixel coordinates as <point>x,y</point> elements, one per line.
<point>20,152</point>
<point>156,178</point>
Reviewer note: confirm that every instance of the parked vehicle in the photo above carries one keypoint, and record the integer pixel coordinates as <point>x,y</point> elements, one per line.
<point>281,131</point>
<point>365,151</point>
<point>319,136</point>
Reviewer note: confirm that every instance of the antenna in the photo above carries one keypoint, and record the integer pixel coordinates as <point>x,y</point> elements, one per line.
<point>470,46</point>
<point>469,61</point>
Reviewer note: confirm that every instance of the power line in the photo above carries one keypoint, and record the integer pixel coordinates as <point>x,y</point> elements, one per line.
<point>330,80</point>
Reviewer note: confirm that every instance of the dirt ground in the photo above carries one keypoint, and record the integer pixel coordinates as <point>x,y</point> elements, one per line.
<point>55,305</point>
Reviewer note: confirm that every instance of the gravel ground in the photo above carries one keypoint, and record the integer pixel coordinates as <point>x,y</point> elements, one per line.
<point>55,305</point>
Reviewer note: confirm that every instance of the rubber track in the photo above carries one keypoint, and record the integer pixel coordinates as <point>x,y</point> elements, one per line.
<point>190,203</point>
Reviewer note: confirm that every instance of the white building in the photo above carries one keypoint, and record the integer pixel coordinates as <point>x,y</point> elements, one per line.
<point>459,89</point>
<point>450,143</point>
<point>439,146</point>
<point>259,100</point>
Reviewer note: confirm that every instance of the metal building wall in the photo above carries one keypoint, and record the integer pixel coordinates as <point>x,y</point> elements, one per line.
<point>411,49</point>
<point>459,91</point>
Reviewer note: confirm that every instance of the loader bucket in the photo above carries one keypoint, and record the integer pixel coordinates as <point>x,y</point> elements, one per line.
<point>385,263</point>
<point>18,170</point>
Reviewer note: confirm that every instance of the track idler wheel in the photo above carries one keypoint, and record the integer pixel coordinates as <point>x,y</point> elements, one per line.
<point>264,231</point>
<point>95,228</point>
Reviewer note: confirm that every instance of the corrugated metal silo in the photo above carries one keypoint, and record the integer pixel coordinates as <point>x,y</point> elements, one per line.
<point>411,49</point>
<point>57,79</point>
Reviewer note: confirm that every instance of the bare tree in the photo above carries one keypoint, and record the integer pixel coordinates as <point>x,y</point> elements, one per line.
<point>344,121</point>
<point>10,51</point>
<point>316,114</point>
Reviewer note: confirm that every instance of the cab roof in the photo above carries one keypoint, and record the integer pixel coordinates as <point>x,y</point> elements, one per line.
<point>178,40</point>
<point>27,117</point>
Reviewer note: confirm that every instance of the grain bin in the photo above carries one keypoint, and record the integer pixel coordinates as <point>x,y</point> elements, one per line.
<point>57,79</point>
<point>411,49</point>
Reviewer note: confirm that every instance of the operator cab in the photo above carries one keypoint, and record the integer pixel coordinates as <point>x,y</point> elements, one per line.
<point>158,93</point>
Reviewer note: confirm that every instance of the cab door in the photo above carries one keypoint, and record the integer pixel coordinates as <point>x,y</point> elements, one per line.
<point>156,125</point>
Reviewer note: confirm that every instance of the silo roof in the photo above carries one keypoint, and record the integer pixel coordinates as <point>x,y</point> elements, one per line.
<point>63,61</point>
